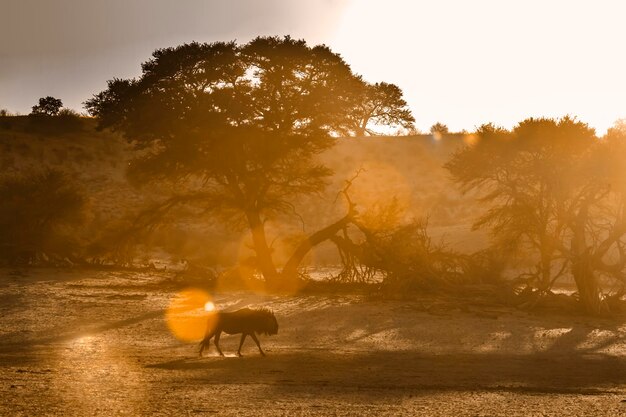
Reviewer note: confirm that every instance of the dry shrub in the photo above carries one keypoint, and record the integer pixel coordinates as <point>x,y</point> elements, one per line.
<point>404,257</point>
<point>67,121</point>
<point>40,217</point>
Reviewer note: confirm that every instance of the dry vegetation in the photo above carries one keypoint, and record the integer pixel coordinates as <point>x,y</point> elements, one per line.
<point>98,161</point>
<point>447,331</point>
<point>81,343</point>
<point>414,230</point>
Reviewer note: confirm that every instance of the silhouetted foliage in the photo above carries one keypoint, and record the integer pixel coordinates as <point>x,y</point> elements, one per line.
<point>408,258</point>
<point>439,128</point>
<point>401,255</point>
<point>379,104</point>
<point>48,106</point>
<point>238,125</point>
<point>38,216</point>
<point>5,119</point>
<point>65,122</point>
<point>555,190</point>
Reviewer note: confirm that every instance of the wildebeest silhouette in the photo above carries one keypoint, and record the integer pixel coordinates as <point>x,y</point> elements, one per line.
<point>246,321</point>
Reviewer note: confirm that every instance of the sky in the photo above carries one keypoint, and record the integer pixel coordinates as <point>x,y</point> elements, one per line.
<point>459,62</point>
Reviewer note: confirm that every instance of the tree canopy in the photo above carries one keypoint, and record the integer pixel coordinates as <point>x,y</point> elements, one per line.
<point>240,125</point>
<point>439,129</point>
<point>379,104</point>
<point>554,189</point>
<point>48,106</point>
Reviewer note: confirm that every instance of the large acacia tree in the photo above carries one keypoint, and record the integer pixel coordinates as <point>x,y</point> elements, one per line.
<point>556,191</point>
<point>239,126</point>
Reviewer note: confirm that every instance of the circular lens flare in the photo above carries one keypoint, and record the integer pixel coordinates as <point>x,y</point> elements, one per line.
<point>188,316</point>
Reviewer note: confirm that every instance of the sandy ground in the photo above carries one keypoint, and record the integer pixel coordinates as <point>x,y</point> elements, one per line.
<point>96,343</point>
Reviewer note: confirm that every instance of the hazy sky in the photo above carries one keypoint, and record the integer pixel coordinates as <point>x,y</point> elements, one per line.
<point>460,62</point>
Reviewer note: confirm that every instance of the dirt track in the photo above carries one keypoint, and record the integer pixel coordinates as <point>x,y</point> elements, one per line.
<point>85,343</point>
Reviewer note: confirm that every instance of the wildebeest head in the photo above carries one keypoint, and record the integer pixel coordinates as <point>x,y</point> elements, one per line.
<point>268,325</point>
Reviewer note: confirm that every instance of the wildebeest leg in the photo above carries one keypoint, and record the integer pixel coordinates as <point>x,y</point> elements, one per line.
<point>257,343</point>
<point>217,343</point>
<point>206,341</point>
<point>243,338</point>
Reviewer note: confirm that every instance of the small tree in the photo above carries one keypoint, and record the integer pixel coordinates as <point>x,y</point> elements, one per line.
<point>48,106</point>
<point>379,104</point>
<point>439,129</point>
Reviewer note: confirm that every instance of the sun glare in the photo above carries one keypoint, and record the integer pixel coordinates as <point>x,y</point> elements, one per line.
<point>464,74</point>
<point>188,314</point>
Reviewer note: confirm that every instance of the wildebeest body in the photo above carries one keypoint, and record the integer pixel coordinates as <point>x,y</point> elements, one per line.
<point>248,322</point>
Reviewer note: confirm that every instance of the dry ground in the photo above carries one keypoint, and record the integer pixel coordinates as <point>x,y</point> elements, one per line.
<point>95,343</point>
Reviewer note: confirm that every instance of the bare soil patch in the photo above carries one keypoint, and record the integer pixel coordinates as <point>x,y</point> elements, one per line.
<point>96,343</point>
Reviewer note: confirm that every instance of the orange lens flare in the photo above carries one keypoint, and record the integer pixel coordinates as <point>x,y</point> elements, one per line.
<point>189,314</point>
<point>471,139</point>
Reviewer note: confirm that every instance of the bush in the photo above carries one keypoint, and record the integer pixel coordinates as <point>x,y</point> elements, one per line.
<point>402,256</point>
<point>410,261</point>
<point>48,106</point>
<point>67,121</point>
<point>439,128</point>
<point>39,217</point>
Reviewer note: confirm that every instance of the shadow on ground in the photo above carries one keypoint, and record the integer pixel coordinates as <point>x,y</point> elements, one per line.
<point>399,372</point>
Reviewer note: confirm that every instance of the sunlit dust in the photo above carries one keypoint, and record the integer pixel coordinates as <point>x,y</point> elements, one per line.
<point>288,287</point>
<point>380,181</point>
<point>85,343</point>
<point>283,238</point>
<point>189,314</point>
<point>243,276</point>
<point>83,340</point>
<point>89,372</point>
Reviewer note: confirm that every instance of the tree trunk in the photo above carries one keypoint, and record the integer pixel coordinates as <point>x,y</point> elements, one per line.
<point>290,270</point>
<point>582,266</point>
<point>359,132</point>
<point>288,278</point>
<point>265,263</point>
<point>546,271</point>
<point>361,129</point>
<point>587,284</point>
